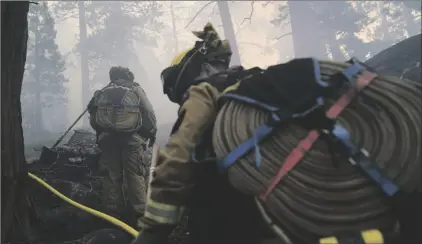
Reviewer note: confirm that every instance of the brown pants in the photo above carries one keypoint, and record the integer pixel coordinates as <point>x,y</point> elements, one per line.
<point>123,154</point>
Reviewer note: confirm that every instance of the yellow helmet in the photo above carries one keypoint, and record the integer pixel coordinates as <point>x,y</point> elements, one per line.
<point>179,57</point>
<point>187,65</point>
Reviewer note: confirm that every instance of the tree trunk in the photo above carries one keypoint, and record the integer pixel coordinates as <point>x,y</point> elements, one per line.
<point>173,22</point>
<point>38,115</point>
<point>124,58</point>
<point>84,60</point>
<point>305,32</point>
<point>226,19</point>
<point>14,200</point>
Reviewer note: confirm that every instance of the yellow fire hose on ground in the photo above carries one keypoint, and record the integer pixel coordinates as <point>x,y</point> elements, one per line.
<point>91,211</point>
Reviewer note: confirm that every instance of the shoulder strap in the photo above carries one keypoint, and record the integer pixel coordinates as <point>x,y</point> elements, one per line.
<point>230,77</point>
<point>121,84</point>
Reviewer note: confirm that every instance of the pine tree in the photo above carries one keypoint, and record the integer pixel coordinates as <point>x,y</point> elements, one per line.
<point>44,81</point>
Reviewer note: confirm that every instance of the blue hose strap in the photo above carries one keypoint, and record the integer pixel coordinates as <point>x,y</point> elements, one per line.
<point>277,116</point>
<point>360,158</point>
<point>260,132</point>
<point>341,132</point>
<point>257,151</point>
<point>351,72</point>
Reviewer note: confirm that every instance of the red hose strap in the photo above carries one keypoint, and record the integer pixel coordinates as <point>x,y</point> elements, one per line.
<point>333,112</point>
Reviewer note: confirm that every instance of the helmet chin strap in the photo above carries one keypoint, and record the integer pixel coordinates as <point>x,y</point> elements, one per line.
<point>201,50</point>
<point>184,67</point>
<point>207,69</point>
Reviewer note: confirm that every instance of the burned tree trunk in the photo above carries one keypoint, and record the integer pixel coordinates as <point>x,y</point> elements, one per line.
<point>14,202</point>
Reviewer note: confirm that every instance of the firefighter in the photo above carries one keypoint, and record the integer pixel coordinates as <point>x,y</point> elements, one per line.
<point>182,179</point>
<point>125,123</point>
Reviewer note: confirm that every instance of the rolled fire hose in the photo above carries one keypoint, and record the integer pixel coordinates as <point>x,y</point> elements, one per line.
<point>84,208</point>
<point>316,198</point>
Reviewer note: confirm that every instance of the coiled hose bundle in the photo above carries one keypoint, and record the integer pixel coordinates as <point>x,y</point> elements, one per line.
<point>324,194</point>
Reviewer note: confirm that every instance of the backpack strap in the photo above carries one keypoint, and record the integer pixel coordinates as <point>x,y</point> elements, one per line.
<point>117,105</point>
<point>128,87</point>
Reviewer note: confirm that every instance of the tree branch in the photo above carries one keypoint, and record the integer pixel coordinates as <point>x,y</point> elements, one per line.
<point>284,35</point>
<point>196,15</point>
<point>213,10</point>
<point>265,3</point>
<point>70,16</point>
<point>250,14</point>
<point>251,44</point>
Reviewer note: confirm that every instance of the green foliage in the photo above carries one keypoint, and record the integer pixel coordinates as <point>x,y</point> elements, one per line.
<point>44,83</point>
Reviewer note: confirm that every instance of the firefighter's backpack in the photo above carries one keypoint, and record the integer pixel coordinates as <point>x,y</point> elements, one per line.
<point>118,107</point>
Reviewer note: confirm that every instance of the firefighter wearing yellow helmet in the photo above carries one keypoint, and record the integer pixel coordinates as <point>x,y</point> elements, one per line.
<point>208,56</point>
<point>217,212</point>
